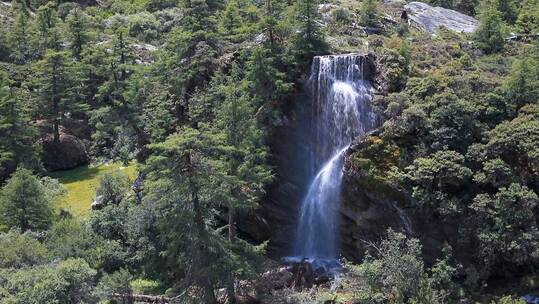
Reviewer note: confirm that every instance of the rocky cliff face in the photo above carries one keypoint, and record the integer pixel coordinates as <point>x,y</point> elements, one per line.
<point>277,218</point>
<point>370,207</point>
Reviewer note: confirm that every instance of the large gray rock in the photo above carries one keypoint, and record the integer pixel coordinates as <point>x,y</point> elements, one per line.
<point>432,18</point>
<point>69,152</point>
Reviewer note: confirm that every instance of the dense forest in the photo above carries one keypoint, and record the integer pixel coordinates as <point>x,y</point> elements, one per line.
<point>186,102</point>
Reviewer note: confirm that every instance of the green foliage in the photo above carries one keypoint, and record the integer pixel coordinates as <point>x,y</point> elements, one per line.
<point>341,15</point>
<point>117,282</point>
<point>71,239</point>
<point>47,31</point>
<point>187,186</point>
<point>528,19</point>
<point>57,84</point>
<point>16,132</point>
<point>21,250</point>
<point>521,87</point>
<point>369,13</point>
<point>113,187</point>
<point>68,281</point>
<point>24,203</point>
<point>308,41</point>
<point>143,286</point>
<point>435,177</point>
<point>490,34</point>
<point>396,59</point>
<point>509,300</point>
<point>511,233</point>
<point>77,23</point>
<point>144,26</point>
<point>397,274</point>
<point>508,9</point>
<point>22,48</point>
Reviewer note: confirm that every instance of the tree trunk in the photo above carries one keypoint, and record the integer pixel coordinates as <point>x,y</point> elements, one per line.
<point>55,121</point>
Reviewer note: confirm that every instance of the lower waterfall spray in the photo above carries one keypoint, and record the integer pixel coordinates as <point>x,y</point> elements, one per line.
<point>341,103</point>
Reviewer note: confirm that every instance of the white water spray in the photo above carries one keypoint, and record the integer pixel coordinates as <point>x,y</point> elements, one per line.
<point>341,112</point>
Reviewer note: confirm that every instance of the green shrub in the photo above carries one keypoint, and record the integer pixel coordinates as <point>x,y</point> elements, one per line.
<point>490,34</point>
<point>396,273</point>
<point>145,286</point>
<point>340,15</point>
<point>113,187</point>
<point>143,26</point>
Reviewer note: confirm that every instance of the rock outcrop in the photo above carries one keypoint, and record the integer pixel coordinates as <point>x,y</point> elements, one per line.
<point>370,207</point>
<point>432,18</point>
<point>69,152</point>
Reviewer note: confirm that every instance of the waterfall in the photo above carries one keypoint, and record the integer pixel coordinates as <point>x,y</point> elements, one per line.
<point>341,104</point>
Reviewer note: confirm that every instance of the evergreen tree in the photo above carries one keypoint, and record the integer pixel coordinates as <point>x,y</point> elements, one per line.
<point>189,183</point>
<point>369,13</point>
<point>508,9</point>
<point>77,33</point>
<point>490,34</point>
<point>16,132</point>
<point>21,46</point>
<point>243,155</point>
<point>522,84</point>
<point>24,203</point>
<point>308,40</point>
<point>48,35</point>
<point>57,85</point>
<point>231,19</point>
<point>267,82</point>
<point>183,191</point>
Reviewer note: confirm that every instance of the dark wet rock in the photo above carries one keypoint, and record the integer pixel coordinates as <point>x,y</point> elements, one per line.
<point>69,152</point>
<point>432,18</point>
<point>289,148</point>
<point>370,206</point>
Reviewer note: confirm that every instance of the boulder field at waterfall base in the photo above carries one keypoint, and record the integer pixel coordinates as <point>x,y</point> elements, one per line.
<point>269,151</point>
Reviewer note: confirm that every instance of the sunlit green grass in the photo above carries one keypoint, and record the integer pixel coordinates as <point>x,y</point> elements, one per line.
<point>81,184</point>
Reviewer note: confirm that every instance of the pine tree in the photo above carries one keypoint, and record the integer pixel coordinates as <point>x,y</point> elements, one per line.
<point>489,35</point>
<point>77,33</point>
<point>243,155</point>
<point>48,33</point>
<point>369,13</point>
<point>183,191</point>
<point>23,202</point>
<point>20,45</point>
<point>508,9</point>
<point>267,80</point>
<point>231,19</point>
<point>308,40</point>
<point>16,132</point>
<point>57,85</point>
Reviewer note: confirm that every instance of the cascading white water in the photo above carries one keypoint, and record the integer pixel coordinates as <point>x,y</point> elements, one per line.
<point>342,111</point>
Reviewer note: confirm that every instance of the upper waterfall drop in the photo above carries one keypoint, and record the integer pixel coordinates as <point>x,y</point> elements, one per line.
<point>341,105</point>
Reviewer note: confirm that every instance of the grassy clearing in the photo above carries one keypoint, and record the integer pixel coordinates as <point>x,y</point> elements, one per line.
<point>81,184</point>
